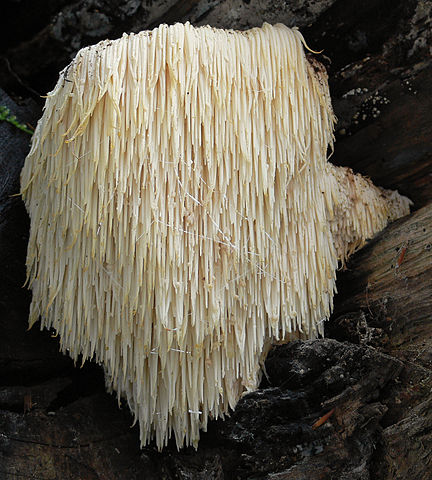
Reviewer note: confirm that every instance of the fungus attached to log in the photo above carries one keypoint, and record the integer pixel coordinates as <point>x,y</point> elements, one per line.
<point>184,217</point>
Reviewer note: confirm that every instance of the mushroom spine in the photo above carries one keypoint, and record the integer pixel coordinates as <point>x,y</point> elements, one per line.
<point>184,216</point>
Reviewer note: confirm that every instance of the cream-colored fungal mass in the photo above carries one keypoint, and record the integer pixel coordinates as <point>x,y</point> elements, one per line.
<point>184,216</point>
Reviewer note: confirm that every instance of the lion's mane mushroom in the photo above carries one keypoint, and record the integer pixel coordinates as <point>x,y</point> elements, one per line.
<point>184,216</point>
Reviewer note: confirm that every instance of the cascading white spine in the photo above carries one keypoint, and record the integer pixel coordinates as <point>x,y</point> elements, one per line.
<point>180,204</point>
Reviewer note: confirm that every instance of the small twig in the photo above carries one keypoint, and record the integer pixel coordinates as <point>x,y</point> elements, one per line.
<point>323,419</point>
<point>401,256</point>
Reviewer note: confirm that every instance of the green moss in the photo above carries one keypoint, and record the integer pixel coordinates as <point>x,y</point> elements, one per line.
<point>6,116</point>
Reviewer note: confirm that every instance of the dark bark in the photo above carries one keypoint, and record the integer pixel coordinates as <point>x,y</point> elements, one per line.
<point>374,370</point>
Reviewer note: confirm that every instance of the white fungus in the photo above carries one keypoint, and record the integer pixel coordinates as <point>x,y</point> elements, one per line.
<point>184,217</point>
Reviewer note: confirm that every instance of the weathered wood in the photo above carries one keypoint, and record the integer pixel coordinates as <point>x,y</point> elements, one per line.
<point>389,282</point>
<point>394,148</point>
<point>385,301</point>
<point>270,431</point>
